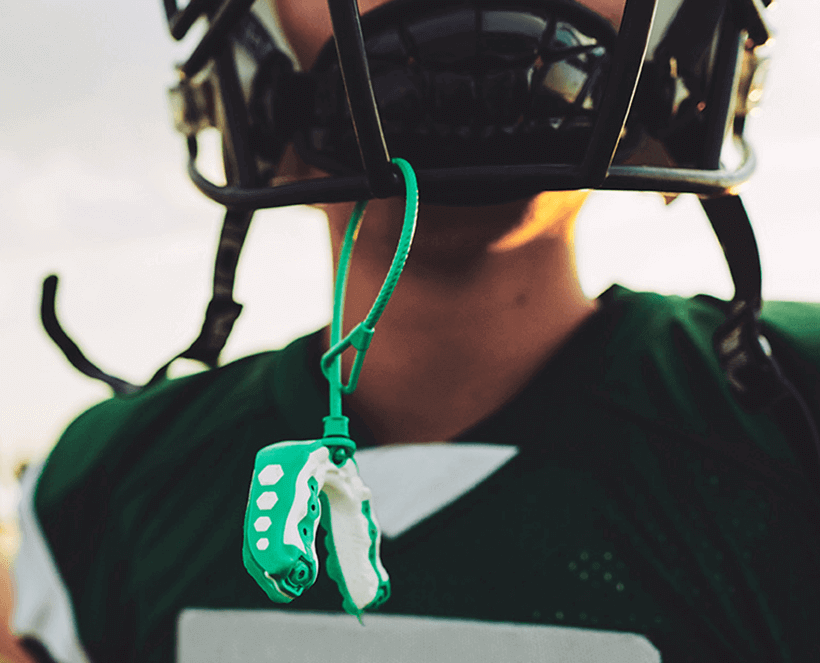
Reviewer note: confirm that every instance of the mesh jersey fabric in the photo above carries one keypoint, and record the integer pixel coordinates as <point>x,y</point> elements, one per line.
<point>642,499</point>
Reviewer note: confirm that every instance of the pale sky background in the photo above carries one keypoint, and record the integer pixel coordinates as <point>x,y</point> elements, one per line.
<point>92,187</point>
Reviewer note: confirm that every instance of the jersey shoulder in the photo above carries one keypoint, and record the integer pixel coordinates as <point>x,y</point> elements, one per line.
<point>167,422</point>
<point>798,324</point>
<point>652,319</point>
<point>154,473</point>
<point>661,362</point>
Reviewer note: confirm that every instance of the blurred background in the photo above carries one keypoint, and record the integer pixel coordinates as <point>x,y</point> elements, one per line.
<point>93,188</point>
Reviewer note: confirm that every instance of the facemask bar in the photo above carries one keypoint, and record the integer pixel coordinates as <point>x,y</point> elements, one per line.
<point>382,180</point>
<point>744,35</point>
<point>520,181</point>
<point>503,182</point>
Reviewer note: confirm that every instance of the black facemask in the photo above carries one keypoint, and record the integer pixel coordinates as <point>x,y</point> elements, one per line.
<point>457,83</point>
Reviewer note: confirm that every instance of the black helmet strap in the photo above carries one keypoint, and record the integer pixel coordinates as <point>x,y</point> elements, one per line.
<point>220,315</point>
<point>241,169</point>
<point>756,379</point>
<point>222,310</point>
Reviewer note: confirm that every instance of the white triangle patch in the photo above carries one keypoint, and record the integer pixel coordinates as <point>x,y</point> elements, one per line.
<point>411,482</point>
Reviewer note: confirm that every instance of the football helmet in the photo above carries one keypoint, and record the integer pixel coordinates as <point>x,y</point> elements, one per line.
<point>489,100</point>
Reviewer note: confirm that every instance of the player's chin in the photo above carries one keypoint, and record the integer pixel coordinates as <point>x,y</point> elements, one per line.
<point>473,224</point>
<point>454,237</point>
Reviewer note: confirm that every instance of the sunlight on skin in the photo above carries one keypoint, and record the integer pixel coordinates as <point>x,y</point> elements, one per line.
<point>10,650</point>
<point>551,214</point>
<point>611,10</point>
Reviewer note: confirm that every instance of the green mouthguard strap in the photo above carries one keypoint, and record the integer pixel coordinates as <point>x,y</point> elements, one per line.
<point>361,335</point>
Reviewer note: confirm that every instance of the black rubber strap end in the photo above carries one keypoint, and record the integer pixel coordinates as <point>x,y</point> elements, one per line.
<point>75,356</point>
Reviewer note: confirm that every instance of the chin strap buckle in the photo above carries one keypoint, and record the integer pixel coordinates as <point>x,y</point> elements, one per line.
<point>193,103</point>
<point>746,358</point>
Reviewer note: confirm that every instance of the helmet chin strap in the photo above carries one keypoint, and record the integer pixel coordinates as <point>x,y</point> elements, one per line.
<point>72,352</point>
<point>222,312</point>
<point>755,378</point>
<point>743,352</point>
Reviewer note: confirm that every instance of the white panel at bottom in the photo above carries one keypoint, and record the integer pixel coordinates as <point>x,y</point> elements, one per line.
<point>268,636</point>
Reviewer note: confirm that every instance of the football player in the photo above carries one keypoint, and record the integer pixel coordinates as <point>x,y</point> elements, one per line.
<point>629,463</point>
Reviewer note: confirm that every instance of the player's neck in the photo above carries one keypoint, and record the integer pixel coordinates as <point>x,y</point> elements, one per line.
<point>457,342</point>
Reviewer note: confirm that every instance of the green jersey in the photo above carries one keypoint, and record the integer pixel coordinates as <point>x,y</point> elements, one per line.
<point>624,490</point>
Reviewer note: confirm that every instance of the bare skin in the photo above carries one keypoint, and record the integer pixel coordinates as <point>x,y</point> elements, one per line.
<point>487,296</point>
<point>10,649</point>
<point>467,327</point>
